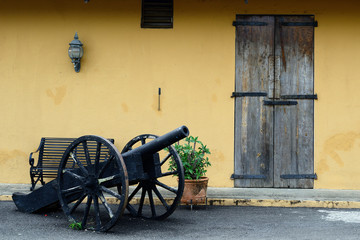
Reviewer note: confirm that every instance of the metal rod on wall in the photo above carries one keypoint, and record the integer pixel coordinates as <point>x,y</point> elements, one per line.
<point>159,99</point>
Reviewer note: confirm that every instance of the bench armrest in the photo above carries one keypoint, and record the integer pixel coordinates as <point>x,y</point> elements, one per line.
<point>31,159</point>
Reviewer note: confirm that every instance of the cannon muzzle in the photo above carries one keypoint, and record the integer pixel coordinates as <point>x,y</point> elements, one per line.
<point>160,142</point>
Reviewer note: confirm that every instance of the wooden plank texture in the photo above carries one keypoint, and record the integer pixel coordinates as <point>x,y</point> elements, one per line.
<point>274,140</point>
<point>253,120</point>
<point>294,125</point>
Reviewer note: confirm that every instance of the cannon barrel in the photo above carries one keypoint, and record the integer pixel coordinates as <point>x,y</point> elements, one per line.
<point>160,142</point>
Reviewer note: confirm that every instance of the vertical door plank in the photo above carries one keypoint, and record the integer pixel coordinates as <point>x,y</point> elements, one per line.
<point>294,125</point>
<point>253,120</point>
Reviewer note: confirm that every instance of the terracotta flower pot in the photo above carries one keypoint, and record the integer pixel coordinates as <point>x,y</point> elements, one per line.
<point>195,191</point>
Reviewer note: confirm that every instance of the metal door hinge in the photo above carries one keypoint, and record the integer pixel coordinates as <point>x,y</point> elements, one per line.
<point>299,176</point>
<point>249,94</point>
<point>305,97</point>
<point>280,102</point>
<point>300,24</point>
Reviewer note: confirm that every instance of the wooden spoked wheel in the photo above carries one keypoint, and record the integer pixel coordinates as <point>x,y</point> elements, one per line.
<point>89,168</point>
<point>157,198</point>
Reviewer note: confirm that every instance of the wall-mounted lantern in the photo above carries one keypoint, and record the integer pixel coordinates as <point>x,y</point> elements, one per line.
<point>76,52</point>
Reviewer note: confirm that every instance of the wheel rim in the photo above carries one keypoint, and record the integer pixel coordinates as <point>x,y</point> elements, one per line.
<point>158,197</point>
<point>90,166</point>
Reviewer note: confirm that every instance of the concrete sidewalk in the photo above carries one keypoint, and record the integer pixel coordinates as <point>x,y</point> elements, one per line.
<point>252,196</point>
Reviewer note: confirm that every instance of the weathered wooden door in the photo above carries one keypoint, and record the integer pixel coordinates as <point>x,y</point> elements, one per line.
<point>274,107</point>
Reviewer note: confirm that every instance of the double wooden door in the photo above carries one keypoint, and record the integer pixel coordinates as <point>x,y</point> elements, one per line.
<point>274,101</point>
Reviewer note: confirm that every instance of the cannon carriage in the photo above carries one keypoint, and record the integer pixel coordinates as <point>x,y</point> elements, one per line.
<point>93,179</point>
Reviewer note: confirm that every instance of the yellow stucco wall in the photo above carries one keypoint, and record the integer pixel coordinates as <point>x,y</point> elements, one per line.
<point>115,93</point>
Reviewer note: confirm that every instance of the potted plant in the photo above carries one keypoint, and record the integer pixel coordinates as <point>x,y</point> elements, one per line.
<point>193,154</point>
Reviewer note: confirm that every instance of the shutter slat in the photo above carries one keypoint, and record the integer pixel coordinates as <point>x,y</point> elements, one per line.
<point>157,14</point>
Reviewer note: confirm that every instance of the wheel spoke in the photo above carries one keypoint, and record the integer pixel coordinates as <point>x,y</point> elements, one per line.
<point>111,192</point>
<point>97,158</point>
<point>86,211</point>
<point>102,180</point>
<point>141,202</point>
<point>84,188</point>
<point>74,175</point>
<point>150,188</point>
<point>97,213</point>
<point>166,187</point>
<point>106,163</point>
<point>72,189</point>
<point>81,166</point>
<point>165,159</point>
<point>152,205</point>
<point>169,173</point>
<point>87,155</point>
<point>158,194</point>
<point>131,209</point>
<point>106,205</point>
<point>134,192</point>
<point>77,203</point>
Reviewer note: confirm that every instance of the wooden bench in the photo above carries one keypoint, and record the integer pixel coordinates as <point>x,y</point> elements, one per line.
<point>50,153</point>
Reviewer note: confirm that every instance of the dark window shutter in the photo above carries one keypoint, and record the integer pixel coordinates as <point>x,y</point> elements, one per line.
<point>157,14</point>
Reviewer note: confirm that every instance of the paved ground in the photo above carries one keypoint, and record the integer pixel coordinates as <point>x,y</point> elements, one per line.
<point>213,222</point>
<point>253,196</point>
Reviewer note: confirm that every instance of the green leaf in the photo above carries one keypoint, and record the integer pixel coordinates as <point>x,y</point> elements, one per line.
<point>76,226</point>
<point>193,154</point>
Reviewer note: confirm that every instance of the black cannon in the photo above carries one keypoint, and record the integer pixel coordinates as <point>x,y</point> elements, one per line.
<point>93,172</point>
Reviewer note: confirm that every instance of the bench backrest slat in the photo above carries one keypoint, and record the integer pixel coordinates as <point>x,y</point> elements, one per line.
<point>51,151</point>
